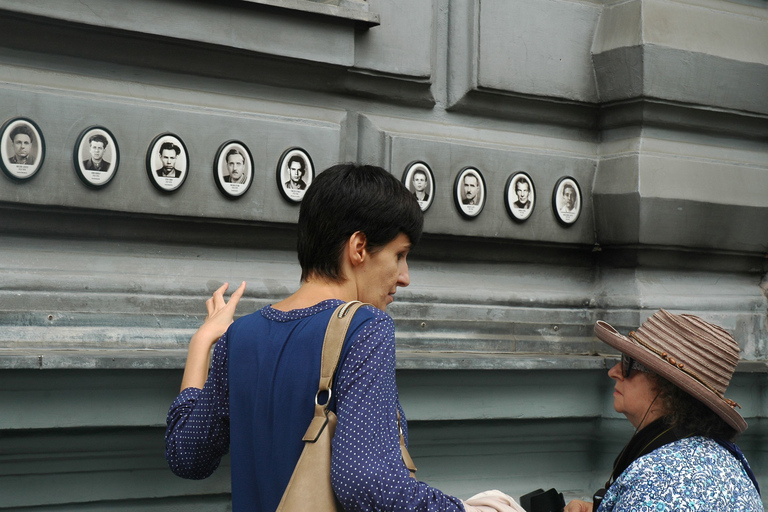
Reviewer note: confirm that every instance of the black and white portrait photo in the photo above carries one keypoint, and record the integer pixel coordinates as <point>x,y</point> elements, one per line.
<point>96,156</point>
<point>418,178</point>
<point>295,173</point>
<point>566,200</point>
<point>520,196</point>
<point>469,192</point>
<point>167,162</point>
<point>233,168</point>
<point>23,149</point>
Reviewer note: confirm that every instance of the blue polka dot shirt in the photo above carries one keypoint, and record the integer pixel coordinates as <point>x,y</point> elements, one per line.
<point>260,392</point>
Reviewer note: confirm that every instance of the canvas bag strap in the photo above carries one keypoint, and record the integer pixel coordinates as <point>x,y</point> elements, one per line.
<point>332,345</point>
<point>334,341</point>
<point>404,450</point>
<point>335,335</point>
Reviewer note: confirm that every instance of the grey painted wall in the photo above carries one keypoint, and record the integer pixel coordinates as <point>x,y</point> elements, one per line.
<point>658,109</point>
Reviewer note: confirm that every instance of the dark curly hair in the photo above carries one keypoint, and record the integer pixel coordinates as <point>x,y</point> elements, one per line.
<point>689,416</point>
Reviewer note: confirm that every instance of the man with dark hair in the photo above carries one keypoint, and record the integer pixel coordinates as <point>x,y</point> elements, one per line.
<point>523,190</point>
<point>23,139</point>
<point>471,187</point>
<point>296,170</point>
<point>569,199</point>
<point>419,183</point>
<point>96,145</point>
<point>168,154</point>
<point>236,167</point>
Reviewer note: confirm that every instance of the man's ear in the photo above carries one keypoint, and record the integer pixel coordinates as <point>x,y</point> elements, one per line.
<point>357,248</point>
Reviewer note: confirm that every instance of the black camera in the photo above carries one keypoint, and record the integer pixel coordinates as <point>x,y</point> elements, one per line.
<point>543,501</point>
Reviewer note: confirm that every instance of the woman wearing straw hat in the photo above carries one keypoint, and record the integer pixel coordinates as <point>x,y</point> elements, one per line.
<point>670,385</point>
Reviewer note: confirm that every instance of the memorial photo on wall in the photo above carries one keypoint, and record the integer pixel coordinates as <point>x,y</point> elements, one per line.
<point>22,148</point>
<point>469,192</point>
<point>295,173</point>
<point>418,178</point>
<point>167,162</point>
<point>96,156</point>
<point>566,200</point>
<point>520,196</point>
<point>233,168</point>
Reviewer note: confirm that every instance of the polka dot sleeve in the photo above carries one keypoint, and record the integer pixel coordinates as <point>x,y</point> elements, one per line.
<point>367,470</point>
<point>197,433</point>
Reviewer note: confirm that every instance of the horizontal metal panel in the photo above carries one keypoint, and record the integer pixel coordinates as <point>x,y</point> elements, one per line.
<point>99,294</point>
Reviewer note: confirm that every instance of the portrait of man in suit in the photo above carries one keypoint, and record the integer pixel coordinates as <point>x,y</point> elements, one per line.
<point>520,196</point>
<point>97,144</point>
<point>522,191</point>
<point>419,185</point>
<point>296,171</point>
<point>169,152</point>
<point>23,139</point>
<point>236,167</point>
<point>167,162</point>
<point>294,174</point>
<point>22,150</point>
<point>96,156</point>
<point>568,199</point>
<point>470,190</point>
<point>420,181</point>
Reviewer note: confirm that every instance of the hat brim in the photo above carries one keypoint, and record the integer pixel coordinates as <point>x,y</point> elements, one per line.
<point>672,373</point>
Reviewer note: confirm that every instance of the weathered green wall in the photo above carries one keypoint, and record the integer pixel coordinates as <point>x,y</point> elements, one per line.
<point>92,439</point>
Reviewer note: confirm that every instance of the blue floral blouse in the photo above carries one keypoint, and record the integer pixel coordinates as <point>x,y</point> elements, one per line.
<point>692,474</point>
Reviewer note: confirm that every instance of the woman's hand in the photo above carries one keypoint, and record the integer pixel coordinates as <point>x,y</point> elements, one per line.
<point>220,315</point>
<point>578,506</point>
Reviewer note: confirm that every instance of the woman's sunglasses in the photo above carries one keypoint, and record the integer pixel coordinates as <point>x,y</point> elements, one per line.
<point>628,364</point>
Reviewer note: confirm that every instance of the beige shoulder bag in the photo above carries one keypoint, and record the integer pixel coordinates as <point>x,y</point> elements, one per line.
<point>310,483</point>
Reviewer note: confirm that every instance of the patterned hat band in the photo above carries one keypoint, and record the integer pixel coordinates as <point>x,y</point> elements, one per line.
<point>680,366</point>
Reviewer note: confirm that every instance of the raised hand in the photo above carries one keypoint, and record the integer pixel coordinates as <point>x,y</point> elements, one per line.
<point>220,315</point>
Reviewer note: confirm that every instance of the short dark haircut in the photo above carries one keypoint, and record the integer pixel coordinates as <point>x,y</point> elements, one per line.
<point>347,198</point>
<point>419,171</point>
<point>297,158</point>
<point>98,138</point>
<point>689,416</point>
<point>471,175</point>
<point>569,186</point>
<point>234,151</point>
<point>522,182</point>
<point>22,129</point>
<point>169,146</point>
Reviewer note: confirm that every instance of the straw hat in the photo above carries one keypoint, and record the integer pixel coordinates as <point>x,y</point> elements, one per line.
<point>696,356</point>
